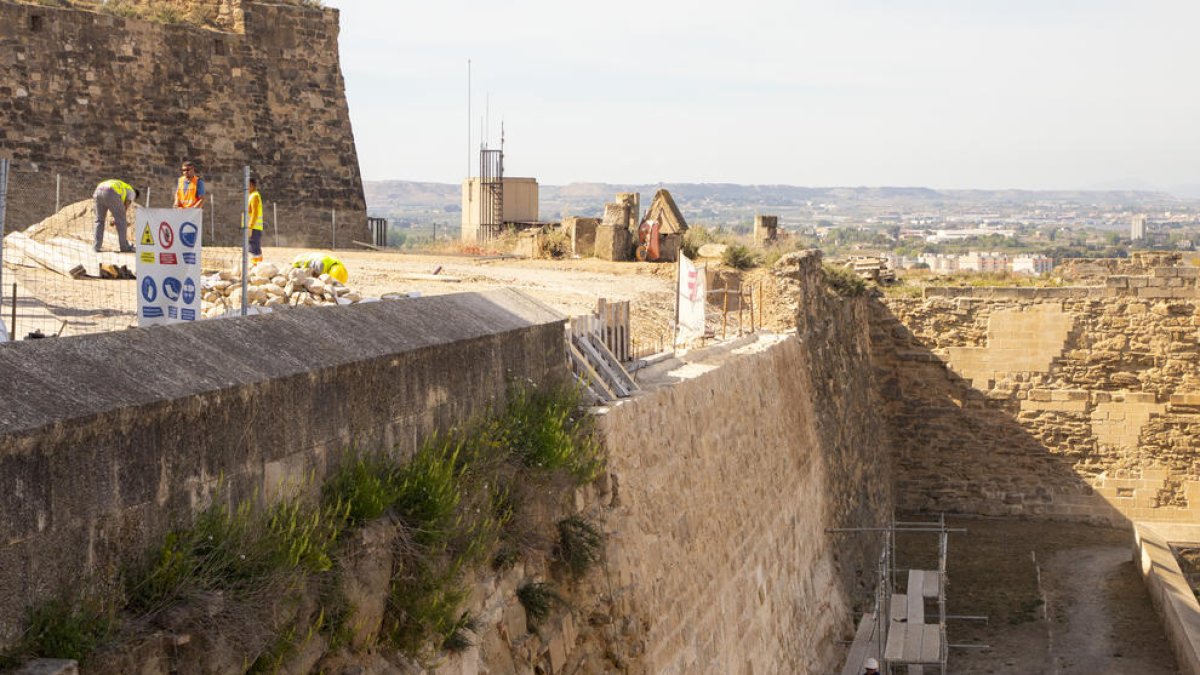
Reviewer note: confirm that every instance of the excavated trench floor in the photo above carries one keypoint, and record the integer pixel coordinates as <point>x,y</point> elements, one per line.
<point>1059,597</point>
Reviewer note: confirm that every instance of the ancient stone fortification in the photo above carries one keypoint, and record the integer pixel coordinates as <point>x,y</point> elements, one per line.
<point>92,95</point>
<point>725,484</point>
<point>723,478</point>
<point>109,441</point>
<point>1079,403</point>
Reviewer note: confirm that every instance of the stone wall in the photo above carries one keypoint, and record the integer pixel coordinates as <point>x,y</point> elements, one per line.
<point>88,95</point>
<point>725,479</point>
<point>109,441</point>
<point>1080,403</point>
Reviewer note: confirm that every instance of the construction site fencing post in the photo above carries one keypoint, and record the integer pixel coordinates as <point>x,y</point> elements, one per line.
<point>245,240</point>
<point>57,192</point>
<point>275,221</point>
<point>3,210</point>
<point>334,215</point>
<point>212,200</point>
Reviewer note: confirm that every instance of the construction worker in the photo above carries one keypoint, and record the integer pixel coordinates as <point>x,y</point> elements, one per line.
<point>871,666</point>
<point>113,196</point>
<point>255,216</point>
<point>322,263</point>
<point>189,192</point>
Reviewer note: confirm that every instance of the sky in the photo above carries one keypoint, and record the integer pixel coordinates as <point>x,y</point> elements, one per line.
<point>1033,94</point>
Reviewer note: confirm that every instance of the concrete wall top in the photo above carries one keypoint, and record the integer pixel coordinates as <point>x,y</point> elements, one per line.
<point>49,381</point>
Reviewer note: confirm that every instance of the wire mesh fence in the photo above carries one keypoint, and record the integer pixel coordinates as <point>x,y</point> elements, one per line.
<point>53,282</point>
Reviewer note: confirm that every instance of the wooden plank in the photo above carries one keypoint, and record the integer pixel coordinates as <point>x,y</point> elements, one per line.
<point>933,583</point>
<point>866,642</point>
<point>916,596</point>
<point>594,377</point>
<point>931,644</point>
<point>899,606</point>
<point>912,642</point>
<point>894,650</point>
<point>602,366</point>
<point>626,379</point>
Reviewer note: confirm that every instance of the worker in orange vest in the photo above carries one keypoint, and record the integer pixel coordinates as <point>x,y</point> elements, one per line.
<point>189,193</point>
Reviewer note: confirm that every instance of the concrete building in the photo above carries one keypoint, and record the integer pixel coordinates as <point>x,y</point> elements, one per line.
<point>1033,265</point>
<point>980,261</point>
<point>520,204</point>
<point>1137,228</point>
<point>941,262</point>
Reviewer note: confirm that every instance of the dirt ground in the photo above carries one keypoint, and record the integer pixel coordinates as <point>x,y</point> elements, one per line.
<point>571,286</point>
<point>1059,597</point>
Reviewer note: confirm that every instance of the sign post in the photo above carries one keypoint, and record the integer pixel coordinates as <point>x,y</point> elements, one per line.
<point>168,265</point>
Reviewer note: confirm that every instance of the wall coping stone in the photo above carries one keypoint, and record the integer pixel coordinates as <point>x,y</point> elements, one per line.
<point>52,381</point>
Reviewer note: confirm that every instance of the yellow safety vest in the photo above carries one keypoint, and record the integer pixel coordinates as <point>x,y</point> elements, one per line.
<point>121,188</point>
<point>254,210</point>
<point>312,259</point>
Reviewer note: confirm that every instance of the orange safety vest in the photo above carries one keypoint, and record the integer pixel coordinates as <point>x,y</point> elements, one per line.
<point>185,193</point>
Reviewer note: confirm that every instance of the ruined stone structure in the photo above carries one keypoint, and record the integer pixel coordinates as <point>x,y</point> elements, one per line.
<point>723,477</point>
<point>90,95</point>
<point>1074,402</point>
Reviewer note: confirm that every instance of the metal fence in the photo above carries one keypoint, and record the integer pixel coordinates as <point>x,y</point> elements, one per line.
<point>53,283</point>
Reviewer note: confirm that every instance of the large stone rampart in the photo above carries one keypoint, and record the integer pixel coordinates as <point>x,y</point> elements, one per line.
<point>109,441</point>
<point>727,478</point>
<point>89,95</point>
<point>1079,403</point>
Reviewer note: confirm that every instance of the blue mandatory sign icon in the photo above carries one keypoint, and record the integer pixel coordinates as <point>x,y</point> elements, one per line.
<point>171,288</point>
<point>189,291</point>
<point>188,232</point>
<point>149,289</point>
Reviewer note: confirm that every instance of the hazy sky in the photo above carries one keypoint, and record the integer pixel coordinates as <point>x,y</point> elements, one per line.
<point>939,93</point>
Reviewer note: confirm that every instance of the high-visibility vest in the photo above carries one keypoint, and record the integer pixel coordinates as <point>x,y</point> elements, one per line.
<point>318,262</point>
<point>185,192</point>
<point>121,188</point>
<point>254,211</point>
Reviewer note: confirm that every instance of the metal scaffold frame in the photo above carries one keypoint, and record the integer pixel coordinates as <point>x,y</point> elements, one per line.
<point>909,649</point>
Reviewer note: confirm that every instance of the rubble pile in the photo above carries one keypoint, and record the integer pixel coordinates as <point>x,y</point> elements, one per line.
<point>270,286</point>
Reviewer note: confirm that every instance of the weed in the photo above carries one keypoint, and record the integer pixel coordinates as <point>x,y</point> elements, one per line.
<point>739,257</point>
<point>538,599</point>
<point>545,430</point>
<point>458,639</point>
<point>844,282</point>
<point>554,244</point>
<point>366,486</point>
<point>56,629</point>
<point>427,490</point>
<point>579,544</point>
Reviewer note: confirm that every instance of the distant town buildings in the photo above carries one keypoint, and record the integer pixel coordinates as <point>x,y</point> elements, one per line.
<point>1137,228</point>
<point>940,236</point>
<point>981,261</point>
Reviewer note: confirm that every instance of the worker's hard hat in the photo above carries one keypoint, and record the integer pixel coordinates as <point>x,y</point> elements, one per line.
<point>338,271</point>
<point>871,663</point>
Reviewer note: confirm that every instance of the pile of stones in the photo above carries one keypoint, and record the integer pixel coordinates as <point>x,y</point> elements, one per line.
<point>270,286</point>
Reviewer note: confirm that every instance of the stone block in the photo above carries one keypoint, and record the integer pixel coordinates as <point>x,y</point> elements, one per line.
<point>1117,282</point>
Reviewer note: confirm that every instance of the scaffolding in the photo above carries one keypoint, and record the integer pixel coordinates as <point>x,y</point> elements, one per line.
<point>491,192</point>
<point>896,633</point>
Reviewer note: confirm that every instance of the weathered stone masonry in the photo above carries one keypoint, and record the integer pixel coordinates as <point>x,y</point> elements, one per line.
<point>1078,402</point>
<point>90,95</point>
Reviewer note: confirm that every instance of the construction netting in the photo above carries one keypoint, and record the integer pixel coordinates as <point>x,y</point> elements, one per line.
<point>54,283</point>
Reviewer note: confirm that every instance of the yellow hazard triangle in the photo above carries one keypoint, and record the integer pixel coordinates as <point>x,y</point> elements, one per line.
<point>147,238</point>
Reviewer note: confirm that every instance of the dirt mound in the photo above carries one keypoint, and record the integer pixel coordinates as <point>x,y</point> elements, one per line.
<point>73,221</point>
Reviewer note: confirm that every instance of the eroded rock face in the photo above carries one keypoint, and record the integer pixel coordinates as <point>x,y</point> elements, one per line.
<point>1078,402</point>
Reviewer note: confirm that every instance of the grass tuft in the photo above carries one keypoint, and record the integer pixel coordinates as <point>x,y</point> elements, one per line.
<point>579,544</point>
<point>740,257</point>
<point>844,282</point>
<point>538,599</point>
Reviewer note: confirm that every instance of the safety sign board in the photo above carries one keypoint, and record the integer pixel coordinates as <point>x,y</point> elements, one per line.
<point>168,280</point>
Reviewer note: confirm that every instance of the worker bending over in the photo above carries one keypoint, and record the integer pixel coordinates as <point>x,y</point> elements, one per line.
<point>113,196</point>
<point>319,263</point>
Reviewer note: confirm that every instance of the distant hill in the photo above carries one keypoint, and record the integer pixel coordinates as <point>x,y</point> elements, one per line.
<point>729,203</point>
